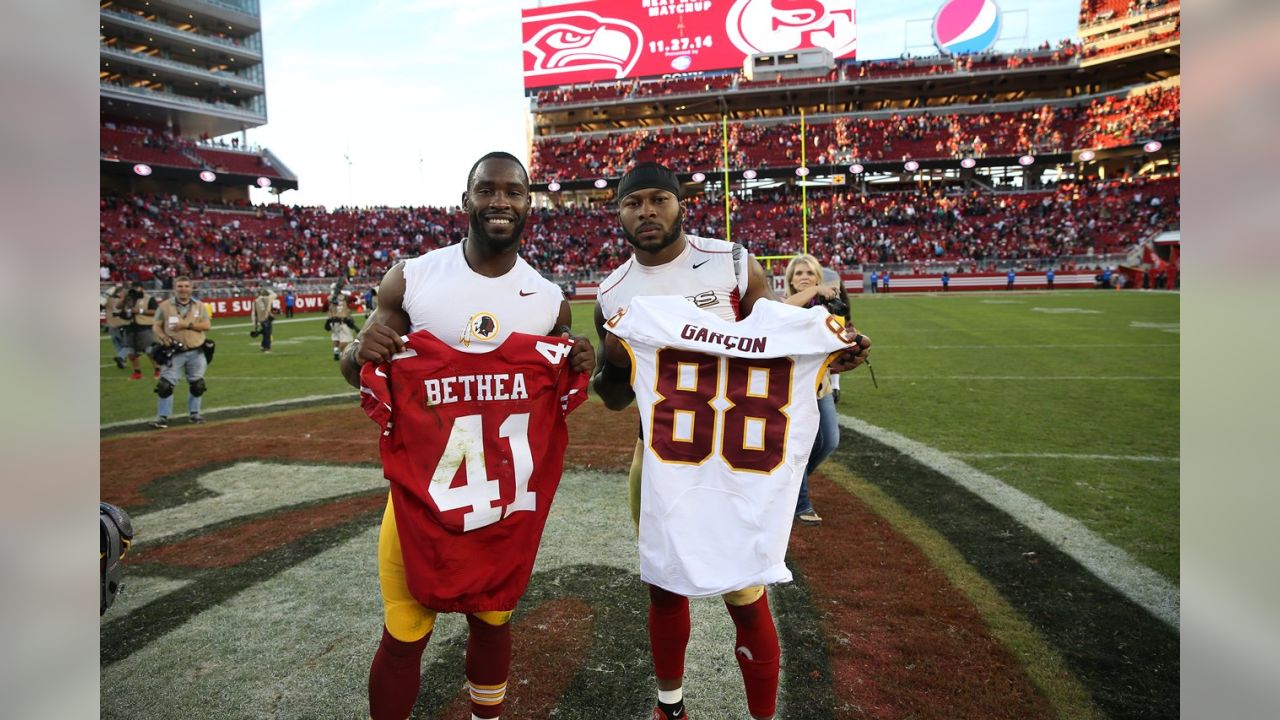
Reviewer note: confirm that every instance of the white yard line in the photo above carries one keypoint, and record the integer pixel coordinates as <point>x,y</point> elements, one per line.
<point>1108,563</point>
<point>1034,378</point>
<point>880,346</point>
<point>273,378</point>
<point>255,406</point>
<point>1068,456</point>
<point>233,326</point>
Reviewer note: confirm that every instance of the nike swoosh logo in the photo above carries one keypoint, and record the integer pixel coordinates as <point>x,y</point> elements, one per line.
<point>527,294</point>
<point>698,265</point>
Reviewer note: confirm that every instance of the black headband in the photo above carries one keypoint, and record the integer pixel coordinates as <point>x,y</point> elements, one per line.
<point>647,176</point>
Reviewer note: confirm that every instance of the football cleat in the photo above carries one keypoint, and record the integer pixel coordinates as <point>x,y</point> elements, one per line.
<point>659,714</point>
<point>160,423</point>
<point>120,363</point>
<point>197,419</point>
<point>136,375</point>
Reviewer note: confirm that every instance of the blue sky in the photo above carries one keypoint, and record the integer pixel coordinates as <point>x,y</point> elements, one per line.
<point>413,91</point>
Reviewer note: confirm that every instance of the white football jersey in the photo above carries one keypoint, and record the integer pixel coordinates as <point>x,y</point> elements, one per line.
<point>471,312</point>
<point>706,274</point>
<point>729,412</point>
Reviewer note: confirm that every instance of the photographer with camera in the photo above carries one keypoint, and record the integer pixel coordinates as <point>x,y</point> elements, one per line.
<point>263,308</point>
<point>138,310</point>
<point>115,324</point>
<point>805,289</point>
<point>342,329</point>
<point>180,325</point>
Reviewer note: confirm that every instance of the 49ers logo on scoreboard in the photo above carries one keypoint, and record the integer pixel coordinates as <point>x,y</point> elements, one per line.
<point>580,41</point>
<point>756,26</point>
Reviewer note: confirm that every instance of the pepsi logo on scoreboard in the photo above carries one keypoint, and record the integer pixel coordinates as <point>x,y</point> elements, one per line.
<point>966,26</point>
<point>593,41</point>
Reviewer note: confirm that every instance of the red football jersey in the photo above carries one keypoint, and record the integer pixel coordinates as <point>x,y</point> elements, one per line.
<point>471,488</point>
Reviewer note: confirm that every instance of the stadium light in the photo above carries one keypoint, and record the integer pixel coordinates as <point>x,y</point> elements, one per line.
<point>142,169</point>
<point>856,168</point>
<point>553,186</point>
<point>911,166</point>
<point>1153,146</point>
<point>601,183</point>
<point>1026,160</point>
<point>699,177</point>
<point>802,171</point>
<point>1087,155</point>
<point>749,174</point>
<point>968,163</point>
<point>264,182</point>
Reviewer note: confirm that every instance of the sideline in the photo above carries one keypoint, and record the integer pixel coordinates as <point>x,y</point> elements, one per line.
<point>234,326</point>
<point>307,400</point>
<point>1108,563</point>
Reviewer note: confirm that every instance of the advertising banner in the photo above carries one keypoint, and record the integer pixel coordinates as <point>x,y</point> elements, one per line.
<point>605,41</point>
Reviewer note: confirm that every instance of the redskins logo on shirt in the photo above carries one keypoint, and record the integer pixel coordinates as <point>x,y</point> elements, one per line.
<point>482,326</point>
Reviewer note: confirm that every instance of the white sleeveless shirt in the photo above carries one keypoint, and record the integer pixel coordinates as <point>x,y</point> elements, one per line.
<point>729,412</point>
<point>706,274</point>
<point>472,312</point>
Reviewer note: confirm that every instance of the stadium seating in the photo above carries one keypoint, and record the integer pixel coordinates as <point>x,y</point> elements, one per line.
<point>1103,122</point>
<point>136,145</point>
<point>157,147</point>
<point>236,161</point>
<point>1093,12</point>
<point>145,236</point>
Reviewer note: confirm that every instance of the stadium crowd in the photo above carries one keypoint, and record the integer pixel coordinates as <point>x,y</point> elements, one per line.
<point>1093,12</point>
<point>1104,122</point>
<point>133,143</point>
<point>154,238</point>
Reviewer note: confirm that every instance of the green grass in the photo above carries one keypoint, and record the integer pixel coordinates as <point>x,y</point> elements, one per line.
<point>1028,376</point>
<point>1014,376</point>
<point>300,364</point>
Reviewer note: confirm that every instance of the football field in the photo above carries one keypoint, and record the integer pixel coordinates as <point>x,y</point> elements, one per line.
<point>1000,535</point>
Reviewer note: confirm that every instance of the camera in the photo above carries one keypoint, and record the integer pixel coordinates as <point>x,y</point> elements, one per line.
<point>836,306</point>
<point>162,354</point>
<point>256,331</point>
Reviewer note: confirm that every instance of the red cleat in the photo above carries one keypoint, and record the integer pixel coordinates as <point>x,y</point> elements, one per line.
<point>137,375</point>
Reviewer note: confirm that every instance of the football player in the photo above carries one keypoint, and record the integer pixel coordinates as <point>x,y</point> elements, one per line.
<point>471,296</point>
<point>724,279</point>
